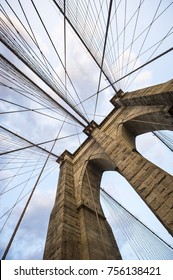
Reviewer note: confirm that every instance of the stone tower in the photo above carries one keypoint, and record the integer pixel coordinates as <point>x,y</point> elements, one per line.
<point>78,228</point>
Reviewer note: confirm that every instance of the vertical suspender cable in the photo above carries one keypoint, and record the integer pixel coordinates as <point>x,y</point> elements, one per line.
<point>136,218</point>
<point>103,55</point>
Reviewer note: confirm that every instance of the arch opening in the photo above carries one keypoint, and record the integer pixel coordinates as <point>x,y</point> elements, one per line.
<point>94,227</point>
<point>154,150</point>
<point>115,184</point>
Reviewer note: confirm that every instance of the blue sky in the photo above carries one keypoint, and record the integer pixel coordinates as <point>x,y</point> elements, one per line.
<point>84,74</point>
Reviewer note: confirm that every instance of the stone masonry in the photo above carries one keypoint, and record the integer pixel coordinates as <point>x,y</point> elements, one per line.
<point>78,228</point>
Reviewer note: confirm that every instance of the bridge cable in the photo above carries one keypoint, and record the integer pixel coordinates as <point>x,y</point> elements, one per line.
<point>145,38</point>
<point>52,170</point>
<point>21,192</point>
<point>149,250</point>
<point>34,40</point>
<point>143,65</point>
<point>29,199</point>
<point>66,73</point>
<point>103,55</point>
<point>22,75</point>
<point>21,137</point>
<point>83,42</point>
<point>166,140</point>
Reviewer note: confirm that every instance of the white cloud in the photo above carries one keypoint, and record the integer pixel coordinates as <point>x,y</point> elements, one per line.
<point>143,79</point>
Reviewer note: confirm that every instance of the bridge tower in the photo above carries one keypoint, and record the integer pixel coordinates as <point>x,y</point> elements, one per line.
<point>78,228</point>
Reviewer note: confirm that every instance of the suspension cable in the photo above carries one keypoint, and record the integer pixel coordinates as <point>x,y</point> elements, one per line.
<point>41,90</point>
<point>113,199</point>
<point>26,140</point>
<point>83,42</point>
<point>103,55</point>
<point>138,68</point>
<point>29,199</point>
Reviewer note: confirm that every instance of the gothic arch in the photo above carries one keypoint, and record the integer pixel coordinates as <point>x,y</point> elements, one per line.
<point>74,220</point>
<point>93,224</point>
<point>157,119</point>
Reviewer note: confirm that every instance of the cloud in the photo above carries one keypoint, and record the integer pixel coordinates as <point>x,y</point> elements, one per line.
<point>143,79</point>
<point>30,238</point>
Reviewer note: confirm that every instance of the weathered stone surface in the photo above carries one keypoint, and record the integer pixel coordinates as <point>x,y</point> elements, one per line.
<point>78,228</point>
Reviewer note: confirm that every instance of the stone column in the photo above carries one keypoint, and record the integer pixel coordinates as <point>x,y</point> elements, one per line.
<point>63,238</point>
<point>97,239</point>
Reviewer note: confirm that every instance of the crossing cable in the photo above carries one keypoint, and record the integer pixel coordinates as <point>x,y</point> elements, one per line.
<point>32,38</point>
<point>83,42</point>
<point>138,68</point>
<point>103,55</point>
<point>145,38</point>
<point>87,17</point>
<point>16,167</point>
<point>12,42</point>
<point>65,32</point>
<point>29,199</point>
<point>155,44</point>
<point>66,73</point>
<point>136,11</point>
<point>30,191</point>
<point>46,103</point>
<point>19,174</point>
<point>116,20</point>
<point>10,212</point>
<point>16,147</point>
<point>21,183</point>
<point>23,165</point>
<point>41,90</point>
<point>25,44</point>
<point>108,55</point>
<point>31,86</point>
<point>124,35</point>
<point>135,39</point>
<point>160,42</point>
<point>54,48</point>
<point>35,42</point>
<point>111,50</point>
<point>80,20</point>
<point>26,140</point>
<point>90,29</point>
<point>35,92</point>
<point>10,161</point>
<point>98,20</point>
<point>28,63</point>
<point>35,110</point>
<point>133,36</point>
<point>113,199</point>
<point>39,144</point>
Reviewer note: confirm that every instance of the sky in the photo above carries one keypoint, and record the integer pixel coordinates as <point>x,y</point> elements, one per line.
<point>83,71</point>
